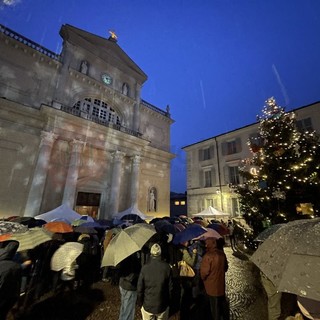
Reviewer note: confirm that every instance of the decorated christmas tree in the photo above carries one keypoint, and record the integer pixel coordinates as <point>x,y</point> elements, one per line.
<point>282,178</point>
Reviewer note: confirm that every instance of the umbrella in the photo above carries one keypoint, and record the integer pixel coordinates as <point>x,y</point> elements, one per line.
<point>11,227</point>
<point>87,218</point>
<point>95,225</point>
<point>210,233</point>
<point>266,233</point>
<point>31,238</point>
<point>84,229</point>
<point>219,227</point>
<point>164,226</point>
<point>179,227</point>
<point>127,242</point>
<point>65,255</point>
<point>191,232</point>
<point>30,222</point>
<point>78,222</point>
<point>58,227</point>
<point>290,258</point>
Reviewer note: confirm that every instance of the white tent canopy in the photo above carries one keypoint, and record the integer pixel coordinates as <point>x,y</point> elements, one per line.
<point>62,212</point>
<point>211,212</point>
<point>132,210</point>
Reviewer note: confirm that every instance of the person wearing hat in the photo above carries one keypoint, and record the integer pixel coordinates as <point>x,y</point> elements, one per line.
<point>155,286</point>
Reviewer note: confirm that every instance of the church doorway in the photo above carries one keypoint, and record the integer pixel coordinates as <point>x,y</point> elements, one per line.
<point>88,204</point>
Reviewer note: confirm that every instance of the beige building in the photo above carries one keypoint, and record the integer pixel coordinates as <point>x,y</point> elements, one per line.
<point>74,129</point>
<point>212,164</point>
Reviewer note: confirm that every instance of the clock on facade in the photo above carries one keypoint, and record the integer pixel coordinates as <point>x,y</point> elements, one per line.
<point>106,78</point>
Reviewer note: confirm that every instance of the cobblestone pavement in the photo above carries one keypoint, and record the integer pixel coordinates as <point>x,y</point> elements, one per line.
<point>246,296</point>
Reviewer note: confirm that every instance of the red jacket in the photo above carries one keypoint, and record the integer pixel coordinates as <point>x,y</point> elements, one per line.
<point>213,266</point>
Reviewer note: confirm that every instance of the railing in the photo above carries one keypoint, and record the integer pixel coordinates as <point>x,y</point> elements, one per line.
<point>16,36</point>
<point>100,121</point>
<point>154,108</point>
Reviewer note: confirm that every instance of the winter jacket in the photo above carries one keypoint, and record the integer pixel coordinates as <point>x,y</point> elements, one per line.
<point>213,266</point>
<point>155,285</point>
<point>10,275</point>
<point>129,273</point>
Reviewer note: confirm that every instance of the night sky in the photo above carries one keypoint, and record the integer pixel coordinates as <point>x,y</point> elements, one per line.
<point>215,62</point>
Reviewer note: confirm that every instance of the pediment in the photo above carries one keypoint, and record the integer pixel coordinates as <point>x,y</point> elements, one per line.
<point>103,47</point>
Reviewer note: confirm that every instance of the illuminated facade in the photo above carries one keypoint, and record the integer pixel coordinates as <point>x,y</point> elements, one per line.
<point>74,129</point>
<point>212,164</point>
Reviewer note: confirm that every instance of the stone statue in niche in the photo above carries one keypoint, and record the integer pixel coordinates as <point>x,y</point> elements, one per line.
<point>84,67</point>
<point>152,200</point>
<point>125,89</point>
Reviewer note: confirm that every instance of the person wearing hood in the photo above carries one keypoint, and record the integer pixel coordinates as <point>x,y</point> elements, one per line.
<point>155,287</point>
<point>213,267</point>
<point>10,278</point>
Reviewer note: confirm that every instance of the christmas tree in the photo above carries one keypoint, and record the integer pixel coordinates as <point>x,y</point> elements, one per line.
<point>282,178</point>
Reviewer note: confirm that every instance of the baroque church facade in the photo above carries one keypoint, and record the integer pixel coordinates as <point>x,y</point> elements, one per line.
<point>74,129</point>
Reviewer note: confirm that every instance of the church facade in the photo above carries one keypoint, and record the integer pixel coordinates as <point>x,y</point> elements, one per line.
<point>74,129</point>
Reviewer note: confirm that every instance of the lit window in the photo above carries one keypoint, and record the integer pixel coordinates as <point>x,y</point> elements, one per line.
<point>176,203</point>
<point>183,203</point>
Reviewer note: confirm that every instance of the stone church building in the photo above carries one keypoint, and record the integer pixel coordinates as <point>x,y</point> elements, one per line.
<point>75,130</point>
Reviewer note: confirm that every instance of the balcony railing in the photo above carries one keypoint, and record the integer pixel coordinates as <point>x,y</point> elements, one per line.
<point>16,36</point>
<point>154,108</point>
<point>100,121</point>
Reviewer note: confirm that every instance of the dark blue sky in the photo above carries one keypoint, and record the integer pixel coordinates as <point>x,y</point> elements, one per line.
<point>215,62</point>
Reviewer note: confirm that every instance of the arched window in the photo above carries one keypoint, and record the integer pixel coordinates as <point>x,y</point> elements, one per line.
<point>98,110</point>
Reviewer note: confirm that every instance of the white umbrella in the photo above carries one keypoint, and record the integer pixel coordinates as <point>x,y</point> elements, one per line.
<point>127,242</point>
<point>31,238</point>
<point>65,255</point>
<point>62,212</point>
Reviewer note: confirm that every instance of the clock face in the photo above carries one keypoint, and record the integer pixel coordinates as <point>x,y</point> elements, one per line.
<point>106,78</point>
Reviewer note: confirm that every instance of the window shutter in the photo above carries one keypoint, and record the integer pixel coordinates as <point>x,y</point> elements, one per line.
<point>200,155</point>
<point>224,148</point>
<point>201,184</point>
<point>211,152</point>
<point>213,177</point>
<point>238,145</point>
<point>226,175</point>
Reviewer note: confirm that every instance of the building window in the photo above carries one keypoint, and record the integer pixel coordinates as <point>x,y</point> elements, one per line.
<point>304,125</point>
<point>231,147</point>
<point>207,179</point>
<point>98,110</point>
<point>176,203</point>
<point>234,175</point>
<point>206,154</point>
<point>183,203</point>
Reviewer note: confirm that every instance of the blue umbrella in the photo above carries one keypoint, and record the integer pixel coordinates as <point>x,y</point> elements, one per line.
<point>191,232</point>
<point>95,225</point>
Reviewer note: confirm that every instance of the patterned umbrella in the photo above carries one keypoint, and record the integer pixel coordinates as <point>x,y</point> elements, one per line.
<point>31,238</point>
<point>65,255</point>
<point>11,227</point>
<point>290,258</point>
<point>58,227</point>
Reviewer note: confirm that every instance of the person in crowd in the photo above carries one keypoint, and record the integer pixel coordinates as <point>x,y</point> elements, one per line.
<point>88,261</point>
<point>190,256</point>
<point>213,267</point>
<point>232,235</point>
<point>10,278</point>
<point>155,287</point>
<point>129,272</point>
<point>274,297</point>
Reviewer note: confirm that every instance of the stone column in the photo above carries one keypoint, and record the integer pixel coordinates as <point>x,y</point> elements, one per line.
<point>73,172</point>
<point>115,182</point>
<point>40,174</point>
<point>134,185</point>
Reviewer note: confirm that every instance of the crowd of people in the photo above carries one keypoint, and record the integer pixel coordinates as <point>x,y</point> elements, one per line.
<point>149,278</point>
